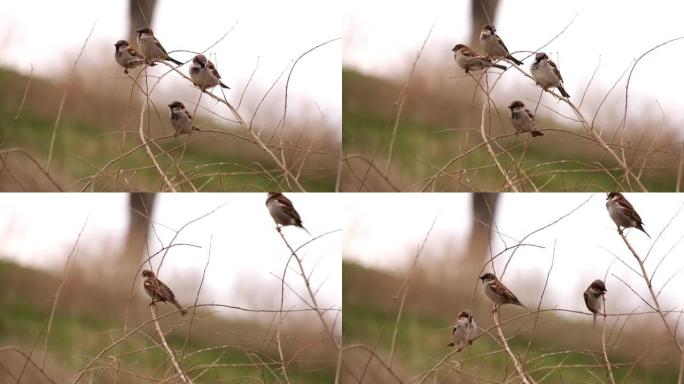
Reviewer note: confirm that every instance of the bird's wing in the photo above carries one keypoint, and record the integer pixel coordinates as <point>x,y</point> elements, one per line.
<point>501,42</point>
<point>629,210</point>
<point>504,291</point>
<point>166,292</point>
<point>131,51</point>
<point>213,70</point>
<point>288,207</point>
<point>159,44</point>
<point>586,300</point>
<point>554,67</point>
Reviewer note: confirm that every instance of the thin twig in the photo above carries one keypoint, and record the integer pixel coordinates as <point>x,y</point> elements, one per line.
<point>172,356</point>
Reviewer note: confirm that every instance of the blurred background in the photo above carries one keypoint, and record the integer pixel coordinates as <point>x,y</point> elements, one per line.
<point>254,46</point>
<point>231,235</point>
<point>571,241</point>
<point>441,116</point>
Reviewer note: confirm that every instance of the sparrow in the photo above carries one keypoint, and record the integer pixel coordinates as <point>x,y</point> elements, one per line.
<point>546,73</point>
<point>151,48</point>
<point>464,331</point>
<point>126,56</point>
<point>493,45</point>
<point>204,74</point>
<point>467,59</point>
<point>523,119</point>
<point>181,120</point>
<point>593,297</point>
<point>282,211</point>
<point>497,292</point>
<point>623,214</point>
<point>159,291</point>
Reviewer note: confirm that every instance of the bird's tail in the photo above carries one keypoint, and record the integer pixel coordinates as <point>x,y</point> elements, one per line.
<point>499,66</point>
<point>451,345</point>
<point>171,59</point>
<point>223,85</point>
<point>594,322</point>
<point>516,61</point>
<point>536,133</point>
<point>307,231</point>
<point>196,129</point>
<point>641,228</point>
<point>181,309</point>
<point>562,91</point>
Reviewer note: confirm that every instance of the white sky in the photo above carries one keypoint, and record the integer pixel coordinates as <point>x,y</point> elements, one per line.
<point>39,230</point>
<point>275,32</point>
<point>381,39</point>
<point>385,230</point>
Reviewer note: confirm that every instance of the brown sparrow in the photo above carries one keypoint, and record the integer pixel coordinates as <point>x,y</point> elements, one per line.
<point>546,73</point>
<point>593,297</point>
<point>622,213</point>
<point>151,48</point>
<point>493,45</point>
<point>523,119</point>
<point>497,292</point>
<point>283,211</point>
<point>126,56</point>
<point>464,331</point>
<point>181,120</point>
<point>467,59</point>
<point>204,74</point>
<point>159,291</point>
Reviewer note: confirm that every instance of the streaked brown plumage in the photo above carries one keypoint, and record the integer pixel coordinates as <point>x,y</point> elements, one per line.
<point>283,211</point>
<point>623,213</point>
<point>159,291</point>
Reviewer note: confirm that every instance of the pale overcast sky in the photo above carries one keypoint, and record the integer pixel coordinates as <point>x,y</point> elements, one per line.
<point>383,40</point>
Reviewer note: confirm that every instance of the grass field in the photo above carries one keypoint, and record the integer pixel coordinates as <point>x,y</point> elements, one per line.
<point>89,136</point>
<point>562,351</point>
<point>436,127</point>
<point>83,325</point>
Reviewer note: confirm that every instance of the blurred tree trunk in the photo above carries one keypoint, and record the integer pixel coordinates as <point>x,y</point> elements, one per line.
<point>482,12</point>
<point>140,14</point>
<point>141,208</point>
<point>484,211</point>
<point>484,204</point>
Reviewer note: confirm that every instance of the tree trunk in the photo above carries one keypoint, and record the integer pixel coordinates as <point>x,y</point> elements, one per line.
<point>141,208</point>
<point>484,204</point>
<point>140,14</point>
<point>484,211</point>
<point>482,12</point>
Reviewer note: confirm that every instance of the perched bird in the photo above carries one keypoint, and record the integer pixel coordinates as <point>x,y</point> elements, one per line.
<point>159,291</point>
<point>546,73</point>
<point>593,297</point>
<point>126,56</point>
<point>464,331</point>
<point>497,292</point>
<point>493,45</point>
<point>523,119</point>
<point>151,48</point>
<point>181,120</point>
<point>623,214</point>
<point>282,211</point>
<point>204,74</point>
<point>467,59</point>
